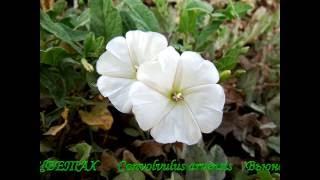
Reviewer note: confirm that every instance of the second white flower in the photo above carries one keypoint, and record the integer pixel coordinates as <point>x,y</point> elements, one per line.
<point>177,97</point>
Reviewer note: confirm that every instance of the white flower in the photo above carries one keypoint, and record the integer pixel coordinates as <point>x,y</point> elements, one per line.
<point>177,97</point>
<point>118,65</point>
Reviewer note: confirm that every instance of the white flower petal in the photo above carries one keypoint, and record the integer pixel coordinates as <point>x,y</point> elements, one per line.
<point>149,106</point>
<point>118,48</point>
<point>109,65</point>
<point>194,70</point>
<point>206,103</point>
<point>179,125</point>
<point>159,75</point>
<point>117,90</point>
<point>145,46</point>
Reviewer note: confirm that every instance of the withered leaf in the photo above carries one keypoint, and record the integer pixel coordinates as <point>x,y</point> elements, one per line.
<point>149,148</point>
<point>98,117</point>
<point>46,5</point>
<point>228,122</point>
<point>248,149</point>
<point>260,142</point>
<point>239,125</point>
<point>129,157</point>
<point>245,63</point>
<point>244,125</point>
<point>233,96</point>
<point>235,160</point>
<point>267,127</point>
<point>55,129</point>
<point>108,162</point>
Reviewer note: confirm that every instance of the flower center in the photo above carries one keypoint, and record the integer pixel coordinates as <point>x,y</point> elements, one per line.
<point>177,96</point>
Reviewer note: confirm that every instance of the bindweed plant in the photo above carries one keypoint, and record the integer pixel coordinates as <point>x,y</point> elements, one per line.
<point>72,39</point>
<point>236,43</point>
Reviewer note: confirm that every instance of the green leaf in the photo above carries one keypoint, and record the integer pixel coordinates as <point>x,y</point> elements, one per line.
<point>81,20</point>
<point>230,59</point>
<point>91,78</point>
<point>127,21</point>
<point>191,11</point>
<point>61,31</point>
<point>198,5</point>
<point>55,84</point>
<point>59,6</point>
<point>105,20</point>
<point>75,35</point>
<point>206,35</point>
<point>241,8</point>
<point>165,16</point>
<point>273,109</point>
<point>273,142</point>
<point>188,22</point>
<point>237,9</point>
<point>218,156</point>
<point>197,154</point>
<point>93,46</point>
<point>132,132</point>
<point>162,7</point>
<point>247,83</point>
<point>53,56</point>
<point>144,18</point>
<point>74,80</point>
<point>78,101</point>
<point>82,150</point>
<point>52,116</point>
<point>264,175</point>
<point>240,175</point>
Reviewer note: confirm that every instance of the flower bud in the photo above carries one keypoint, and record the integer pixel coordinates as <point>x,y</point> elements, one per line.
<point>224,75</point>
<point>87,65</point>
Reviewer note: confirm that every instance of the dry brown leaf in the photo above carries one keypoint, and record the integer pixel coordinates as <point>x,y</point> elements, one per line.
<point>46,5</point>
<point>67,47</point>
<point>240,125</point>
<point>266,127</point>
<point>233,96</point>
<point>119,151</point>
<point>248,120</point>
<point>261,143</point>
<point>149,2</point>
<point>108,162</point>
<point>235,161</point>
<point>244,125</point>
<point>55,129</point>
<point>227,124</point>
<point>129,157</point>
<point>245,63</point>
<point>98,117</point>
<point>149,148</point>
